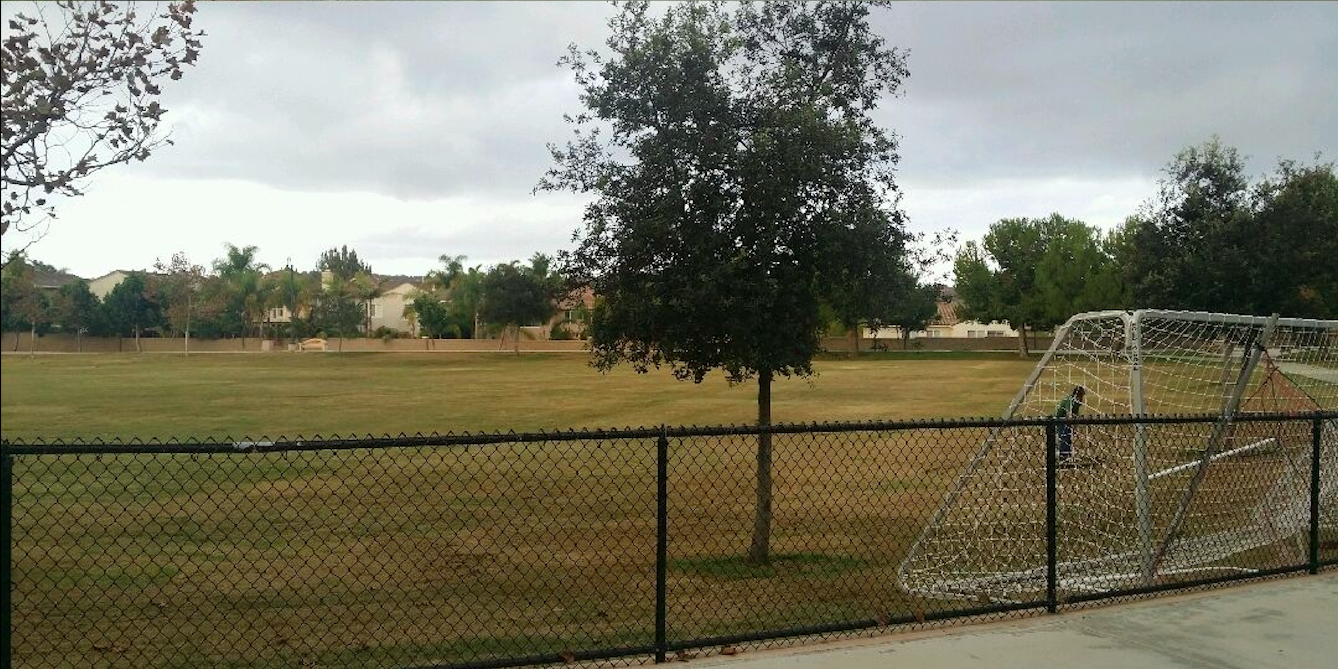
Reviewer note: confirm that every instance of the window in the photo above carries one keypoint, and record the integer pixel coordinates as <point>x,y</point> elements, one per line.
<point>975,334</point>
<point>278,313</point>
<point>997,333</point>
<point>373,310</point>
<point>935,334</point>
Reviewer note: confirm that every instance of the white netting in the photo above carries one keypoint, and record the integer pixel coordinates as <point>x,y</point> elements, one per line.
<point>1135,504</point>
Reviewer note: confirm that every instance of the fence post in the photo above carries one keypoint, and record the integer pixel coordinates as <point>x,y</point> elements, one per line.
<point>1051,521</point>
<point>1316,428</point>
<point>661,544</point>
<point>6,554</point>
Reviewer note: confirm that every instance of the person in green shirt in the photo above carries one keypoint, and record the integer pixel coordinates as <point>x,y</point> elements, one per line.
<point>1068,408</point>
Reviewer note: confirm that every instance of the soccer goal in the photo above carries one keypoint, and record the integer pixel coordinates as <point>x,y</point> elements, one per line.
<point>1140,503</point>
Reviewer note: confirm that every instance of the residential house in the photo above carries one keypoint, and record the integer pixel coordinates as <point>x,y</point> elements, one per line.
<point>572,316</point>
<point>104,284</point>
<point>386,310</point>
<point>947,324</point>
<point>49,279</point>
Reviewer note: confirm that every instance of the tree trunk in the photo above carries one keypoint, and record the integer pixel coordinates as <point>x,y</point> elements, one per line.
<point>17,335</point>
<point>905,340</point>
<point>517,342</point>
<point>79,338</point>
<point>760,551</point>
<point>138,347</point>
<point>32,340</point>
<point>854,341</point>
<point>1022,350</point>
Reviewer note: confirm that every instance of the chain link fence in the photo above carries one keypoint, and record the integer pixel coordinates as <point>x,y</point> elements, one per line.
<point>622,546</point>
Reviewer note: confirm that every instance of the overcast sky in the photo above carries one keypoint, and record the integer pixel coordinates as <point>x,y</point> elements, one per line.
<point>413,129</point>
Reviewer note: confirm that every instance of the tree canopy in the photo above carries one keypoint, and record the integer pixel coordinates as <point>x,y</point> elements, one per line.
<point>343,262</point>
<point>1036,272</point>
<point>1210,240</point>
<point>739,182</point>
<point>128,310</point>
<point>515,296</point>
<point>76,309</point>
<point>1182,243</point>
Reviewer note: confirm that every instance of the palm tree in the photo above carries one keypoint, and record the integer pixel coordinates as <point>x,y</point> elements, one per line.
<point>239,260</point>
<point>241,274</point>
<point>460,288</point>
<point>292,291</point>
<point>448,277</point>
<point>365,289</point>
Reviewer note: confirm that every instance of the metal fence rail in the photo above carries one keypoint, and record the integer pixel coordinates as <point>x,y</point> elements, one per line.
<point>616,546</point>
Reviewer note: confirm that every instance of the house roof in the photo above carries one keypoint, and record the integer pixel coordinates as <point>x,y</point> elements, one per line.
<point>948,304</point>
<point>583,297</point>
<point>113,272</point>
<point>53,278</point>
<point>397,280</point>
<point>403,288</point>
<point>947,313</point>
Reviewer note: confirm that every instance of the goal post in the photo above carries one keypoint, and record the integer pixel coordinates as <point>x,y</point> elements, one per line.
<point>1254,346</point>
<point>1145,501</point>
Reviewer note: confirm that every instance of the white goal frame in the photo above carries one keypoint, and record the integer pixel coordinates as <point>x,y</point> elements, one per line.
<point>1238,362</point>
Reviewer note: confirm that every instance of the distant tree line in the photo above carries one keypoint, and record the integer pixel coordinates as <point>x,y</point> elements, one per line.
<point>1209,240</point>
<point>236,295</point>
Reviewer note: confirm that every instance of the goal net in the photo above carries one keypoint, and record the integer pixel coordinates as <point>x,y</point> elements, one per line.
<point>1141,503</point>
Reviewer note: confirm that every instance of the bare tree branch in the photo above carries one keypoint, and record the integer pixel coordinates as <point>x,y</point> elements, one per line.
<point>81,82</point>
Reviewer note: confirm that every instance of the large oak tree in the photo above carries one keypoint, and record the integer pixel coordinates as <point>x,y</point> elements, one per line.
<point>738,180</point>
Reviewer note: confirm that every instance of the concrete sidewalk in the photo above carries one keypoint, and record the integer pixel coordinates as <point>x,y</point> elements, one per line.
<point>1288,623</point>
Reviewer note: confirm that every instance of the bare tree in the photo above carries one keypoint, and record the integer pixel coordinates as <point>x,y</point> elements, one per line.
<point>81,82</point>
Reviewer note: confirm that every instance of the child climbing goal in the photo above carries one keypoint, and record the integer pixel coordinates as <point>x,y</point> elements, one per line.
<point>1068,408</point>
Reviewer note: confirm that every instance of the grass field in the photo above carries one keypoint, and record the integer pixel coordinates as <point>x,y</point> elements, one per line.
<point>416,556</point>
<point>423,556</point>
<point>234,395</point>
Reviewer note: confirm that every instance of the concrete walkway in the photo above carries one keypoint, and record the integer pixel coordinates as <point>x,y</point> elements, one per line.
<point>1289,623</point>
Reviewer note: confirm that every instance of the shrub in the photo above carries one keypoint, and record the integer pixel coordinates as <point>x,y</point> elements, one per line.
<point>387,333</point>
<point>560,332</point>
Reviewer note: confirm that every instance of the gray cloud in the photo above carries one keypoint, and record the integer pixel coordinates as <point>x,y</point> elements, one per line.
<point>1010,109</point>
<point>1108,89</point>
<point>408,99</point>
<point>421,99</point>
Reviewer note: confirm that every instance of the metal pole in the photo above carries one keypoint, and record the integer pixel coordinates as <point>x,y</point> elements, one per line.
<point>1316,428</point>
<point>661,545</point>
<point>1231,403</point>
<point>188,308</point>
<point>1051,521</point>
<point>6,557</point>
<point>1142,493</point>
